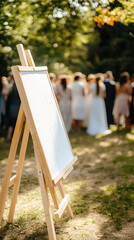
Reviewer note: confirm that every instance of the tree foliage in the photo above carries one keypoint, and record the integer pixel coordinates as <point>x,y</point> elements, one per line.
<point>114,11</point>
<point>15,22</point>
<point>115,49</point>
<point>52,29</point>
<point>64,35</point>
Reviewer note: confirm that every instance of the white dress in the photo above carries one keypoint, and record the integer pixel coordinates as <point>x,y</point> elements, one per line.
<point>87,106</point>
<point>78,101</point>
<point>97,122</point>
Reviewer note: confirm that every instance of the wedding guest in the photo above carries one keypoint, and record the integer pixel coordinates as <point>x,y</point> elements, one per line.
<point>78,102</point>
<point>90,80</point>
<point>13,104</point>
<point>123,93</point>
<point>69,79</point>
<point>110,96</point>
<point>2,104</point>
<point>10,78</point>
<point>97,112</point>
<point>132,103</point>
<point>6,89</point>
<point>53,80</point>
<point>63,94</point>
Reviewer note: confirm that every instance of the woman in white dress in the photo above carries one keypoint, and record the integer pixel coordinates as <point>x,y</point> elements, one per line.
<point>63,94</point>
<point>97,122</point>
<point>78,102</point>
<point>90,80</point>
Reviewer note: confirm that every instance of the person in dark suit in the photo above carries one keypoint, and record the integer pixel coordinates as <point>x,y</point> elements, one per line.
<point>13,105</point>
<point>110,96</point>
<point>132,102</point>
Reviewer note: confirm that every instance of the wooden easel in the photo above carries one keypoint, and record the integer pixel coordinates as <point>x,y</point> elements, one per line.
<point>27,60</point>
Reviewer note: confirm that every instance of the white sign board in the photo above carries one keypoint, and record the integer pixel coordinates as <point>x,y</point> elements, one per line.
<point>47,119</point>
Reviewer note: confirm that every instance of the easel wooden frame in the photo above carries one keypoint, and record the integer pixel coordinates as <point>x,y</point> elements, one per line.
<point>44,177</point>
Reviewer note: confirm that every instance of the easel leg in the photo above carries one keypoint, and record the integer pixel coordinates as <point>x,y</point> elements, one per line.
<point>11,159</point>
<point>46,204</point>
<point>19,172</point>
<point>68,208</point>
<point>54,197</point>
<point>48,213</point>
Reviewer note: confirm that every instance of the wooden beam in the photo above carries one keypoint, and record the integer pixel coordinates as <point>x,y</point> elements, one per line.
<point>11,159</point>
<point>22,55</point>
<point>19,172</point>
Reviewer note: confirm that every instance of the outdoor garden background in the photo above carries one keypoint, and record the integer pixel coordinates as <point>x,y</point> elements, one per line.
<point>71,36</point>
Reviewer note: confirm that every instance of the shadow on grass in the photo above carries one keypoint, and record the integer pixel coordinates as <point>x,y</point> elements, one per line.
<point>17,231</point>
<point>37,235</point>
<point>124,166</point>
<point>4,230</point>
<point>118,204</point>
<point>29,227</point>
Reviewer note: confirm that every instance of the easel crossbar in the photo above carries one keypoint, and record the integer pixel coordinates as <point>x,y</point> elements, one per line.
<point>30,69</point>
<point>12,180</point>
<point>62,206</point>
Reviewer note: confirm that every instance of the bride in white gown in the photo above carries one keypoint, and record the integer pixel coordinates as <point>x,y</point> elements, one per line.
<point>97,122</point>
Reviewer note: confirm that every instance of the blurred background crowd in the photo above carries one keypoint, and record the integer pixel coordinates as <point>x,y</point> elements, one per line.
<point>94,102</point>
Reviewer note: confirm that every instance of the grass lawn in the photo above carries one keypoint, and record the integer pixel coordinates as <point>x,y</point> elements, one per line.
<point>101,187</point>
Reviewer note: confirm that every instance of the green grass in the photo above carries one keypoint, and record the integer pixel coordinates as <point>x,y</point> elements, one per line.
<point>125,165</point>
<point>101,188</point>
<point>118,204</point>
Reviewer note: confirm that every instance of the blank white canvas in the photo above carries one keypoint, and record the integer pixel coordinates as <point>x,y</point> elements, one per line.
<point>47,120</point>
